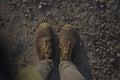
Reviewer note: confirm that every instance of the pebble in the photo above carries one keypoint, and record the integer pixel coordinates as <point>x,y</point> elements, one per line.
<point>40,6</point>
<point>26,15</point>
<point>118,54</point>
<point>111,60</point>
<point>97,49</point>
<point>36,18</point>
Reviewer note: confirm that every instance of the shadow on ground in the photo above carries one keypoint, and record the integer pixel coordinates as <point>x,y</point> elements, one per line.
<point>81,60</point>
<point>56,57</point>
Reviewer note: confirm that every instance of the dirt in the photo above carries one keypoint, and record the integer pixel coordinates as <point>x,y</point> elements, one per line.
<point>97,22</point>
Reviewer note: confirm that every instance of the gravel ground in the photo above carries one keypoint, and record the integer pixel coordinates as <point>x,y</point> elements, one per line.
<point>97,22</point>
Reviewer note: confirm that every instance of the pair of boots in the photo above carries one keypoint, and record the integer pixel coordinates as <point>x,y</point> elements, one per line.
<point>43,41</point>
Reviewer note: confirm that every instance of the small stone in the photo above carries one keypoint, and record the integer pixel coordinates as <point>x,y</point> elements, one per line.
<point>56,18</point>
<point>97,49</point>
<point>12,3</point>
<point>40,6</point>
<point>11,8</point>
<point>28,11</point>
<point>26,15</point>
<point>44,18</point>
<point>108,43</point>
<point>118,54</point>
<point>102,6</point>
<point>43,3</point>
<point>36,18</point>
<point>111,60</point>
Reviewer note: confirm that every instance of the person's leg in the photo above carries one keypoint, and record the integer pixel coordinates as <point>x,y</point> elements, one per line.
<point>68,39</point>
<point>45,67</point>
<point>43,40</point>
<point>68,71</point>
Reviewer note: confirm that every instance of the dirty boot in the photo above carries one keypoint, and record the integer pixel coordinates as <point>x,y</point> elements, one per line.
<point>43,41</point>
<point>67,41</point>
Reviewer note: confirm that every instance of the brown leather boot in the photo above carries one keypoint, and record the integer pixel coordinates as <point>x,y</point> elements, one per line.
<point>43,41</point>
<point>67,41</point>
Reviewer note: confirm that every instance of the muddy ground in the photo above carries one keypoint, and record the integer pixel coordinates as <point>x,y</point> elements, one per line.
<point>97,22</point>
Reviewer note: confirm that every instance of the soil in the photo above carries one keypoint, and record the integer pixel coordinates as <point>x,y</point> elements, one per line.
<point>97,23</point>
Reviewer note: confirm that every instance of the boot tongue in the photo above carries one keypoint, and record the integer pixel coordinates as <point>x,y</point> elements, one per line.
<point>67,51</point>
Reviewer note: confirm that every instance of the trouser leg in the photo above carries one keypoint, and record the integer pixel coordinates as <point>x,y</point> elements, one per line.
<point>45,67</point>
<point>68,71</point>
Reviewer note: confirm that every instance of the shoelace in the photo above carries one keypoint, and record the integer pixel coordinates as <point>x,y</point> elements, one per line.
<point>46,48</point>
<point>67,48</point>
